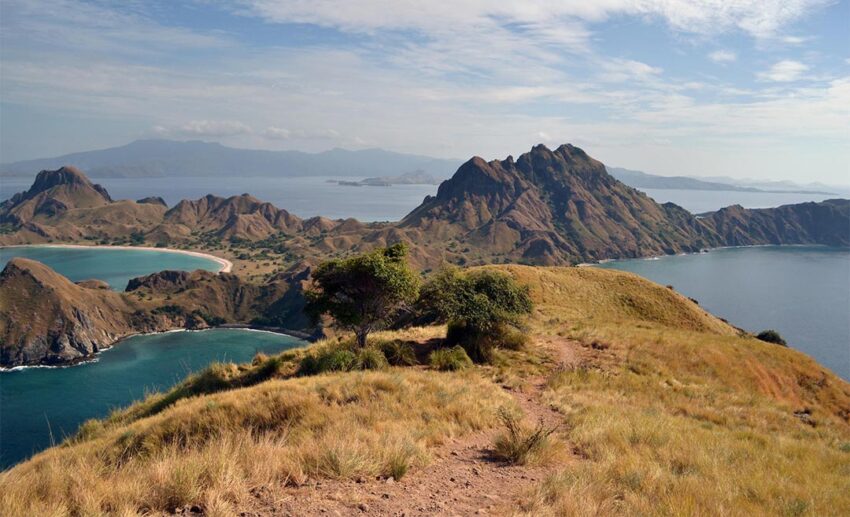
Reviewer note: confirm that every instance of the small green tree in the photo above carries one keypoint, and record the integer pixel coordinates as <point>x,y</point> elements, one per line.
<point>481,307</point>
<point>363,293</point>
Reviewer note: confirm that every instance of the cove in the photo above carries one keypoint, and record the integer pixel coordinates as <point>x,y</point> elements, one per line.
<point>801,291</point>
<point>37,403</point>
<point>116,266</point>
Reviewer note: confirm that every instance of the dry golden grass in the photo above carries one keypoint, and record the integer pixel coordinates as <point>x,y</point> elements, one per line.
<point>675,413</point>
<point>668,410</point>
<point>213,450</point>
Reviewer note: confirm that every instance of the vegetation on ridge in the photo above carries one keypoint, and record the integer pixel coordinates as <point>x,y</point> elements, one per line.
<point>662,409</point>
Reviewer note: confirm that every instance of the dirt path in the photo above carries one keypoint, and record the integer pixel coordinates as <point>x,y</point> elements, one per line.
<point>462,479</point>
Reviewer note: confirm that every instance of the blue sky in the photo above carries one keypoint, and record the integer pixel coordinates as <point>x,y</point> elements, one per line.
<point>744,88</point>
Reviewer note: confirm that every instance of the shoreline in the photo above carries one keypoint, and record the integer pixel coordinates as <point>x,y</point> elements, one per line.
<point>93,358</point>
<point>705,251</point>
<point>226,265</point>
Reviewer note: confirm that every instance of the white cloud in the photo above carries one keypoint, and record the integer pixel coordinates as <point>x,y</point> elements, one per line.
<point>760,18</point>
<point>208,128</point>
<point>279,133</point>
<point>784,71</point>
<point>723,56</point>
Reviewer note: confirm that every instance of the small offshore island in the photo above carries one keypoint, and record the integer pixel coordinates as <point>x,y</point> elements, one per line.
<point>618,394</point>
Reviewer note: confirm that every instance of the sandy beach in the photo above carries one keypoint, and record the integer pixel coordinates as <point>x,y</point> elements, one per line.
<point>226,265</point>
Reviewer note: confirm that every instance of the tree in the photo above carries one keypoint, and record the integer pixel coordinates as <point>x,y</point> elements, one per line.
<point>480,307</point>
<point>363,293</point>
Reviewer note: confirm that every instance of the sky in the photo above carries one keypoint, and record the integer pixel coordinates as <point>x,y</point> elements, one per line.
<point>744,88</point>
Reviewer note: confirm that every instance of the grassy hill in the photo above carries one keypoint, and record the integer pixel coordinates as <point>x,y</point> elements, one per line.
<point>660,408</point>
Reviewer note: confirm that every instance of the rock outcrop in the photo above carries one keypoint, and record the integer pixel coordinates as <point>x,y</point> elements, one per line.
<point>47,319</point>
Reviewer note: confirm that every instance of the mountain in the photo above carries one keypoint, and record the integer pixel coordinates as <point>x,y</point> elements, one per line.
<point>156,158</point>
<point>554,207</point>
<point>641,180</point>
<point>549,207</point>
<point>52,194</point>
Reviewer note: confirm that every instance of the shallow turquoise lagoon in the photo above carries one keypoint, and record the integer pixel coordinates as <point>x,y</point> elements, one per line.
<point>115,266</point>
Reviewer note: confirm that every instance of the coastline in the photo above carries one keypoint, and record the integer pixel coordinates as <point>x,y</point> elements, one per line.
<point>93,358</point>
<point>226,265</point>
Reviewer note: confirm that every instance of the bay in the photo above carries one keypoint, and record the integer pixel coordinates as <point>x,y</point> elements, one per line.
<point>114,266</point>
<point>40,406</point>
<point>801,291</point>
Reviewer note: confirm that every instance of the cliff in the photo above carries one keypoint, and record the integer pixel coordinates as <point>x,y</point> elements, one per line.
<point>47,319</point>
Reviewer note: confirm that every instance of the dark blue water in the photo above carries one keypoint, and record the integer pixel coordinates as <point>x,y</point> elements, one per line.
<point>115,266</point>
<point>37,403</point>
<point>801,291</point>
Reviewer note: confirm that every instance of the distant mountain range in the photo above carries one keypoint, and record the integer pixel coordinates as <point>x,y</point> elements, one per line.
<point>638,179</point>
<point>159,158</point>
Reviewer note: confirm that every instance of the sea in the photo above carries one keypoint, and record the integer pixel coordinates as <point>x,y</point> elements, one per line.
<point>803,292</point>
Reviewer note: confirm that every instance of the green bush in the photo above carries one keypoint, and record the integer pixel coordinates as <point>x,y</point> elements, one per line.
<point>328,360</point>
<point>484,309</point>
<point>771,336</point>
<point>370,358</point>
<point>399,353</point>
<point>449,359</point>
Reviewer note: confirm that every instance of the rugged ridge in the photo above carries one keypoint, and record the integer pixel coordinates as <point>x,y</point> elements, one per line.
<point>547,207</point>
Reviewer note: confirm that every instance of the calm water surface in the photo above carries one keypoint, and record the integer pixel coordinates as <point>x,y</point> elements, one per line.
<point>304,197</point>
<point>801,291</point>
<point>115,266</point>
<point>36,403</point>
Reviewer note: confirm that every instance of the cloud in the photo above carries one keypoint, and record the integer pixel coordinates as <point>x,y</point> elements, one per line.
<point>279,133</point>
<point>759,18</point>
<point>784,71</point>
<point>722,56</point>
<point>205,128</point>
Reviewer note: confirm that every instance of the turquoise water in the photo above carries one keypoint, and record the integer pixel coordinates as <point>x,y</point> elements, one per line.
<point>801,291</point>
<point>38,402</point>
<point>115,266</point>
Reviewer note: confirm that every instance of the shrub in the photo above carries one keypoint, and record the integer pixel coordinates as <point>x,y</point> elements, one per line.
<point>399,353</point>
<point>329,360</point>
<point>370,358</point>
<point>519,444</point>
<point>449,359</point>
<point>483,309</point>
<point>771,336</point>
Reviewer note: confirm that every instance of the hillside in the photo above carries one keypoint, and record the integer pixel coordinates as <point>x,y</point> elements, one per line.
<point>546,207</point>
<point>47,319</point>
<point>156,158</point>
<point>660,408</point>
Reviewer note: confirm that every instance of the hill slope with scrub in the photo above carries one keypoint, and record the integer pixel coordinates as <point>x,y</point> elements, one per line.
<point>654,406</point>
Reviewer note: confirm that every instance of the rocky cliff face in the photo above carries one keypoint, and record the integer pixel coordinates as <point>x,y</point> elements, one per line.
<point>553,207</point>
<point>47,319</point>
<point>827,222</point>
